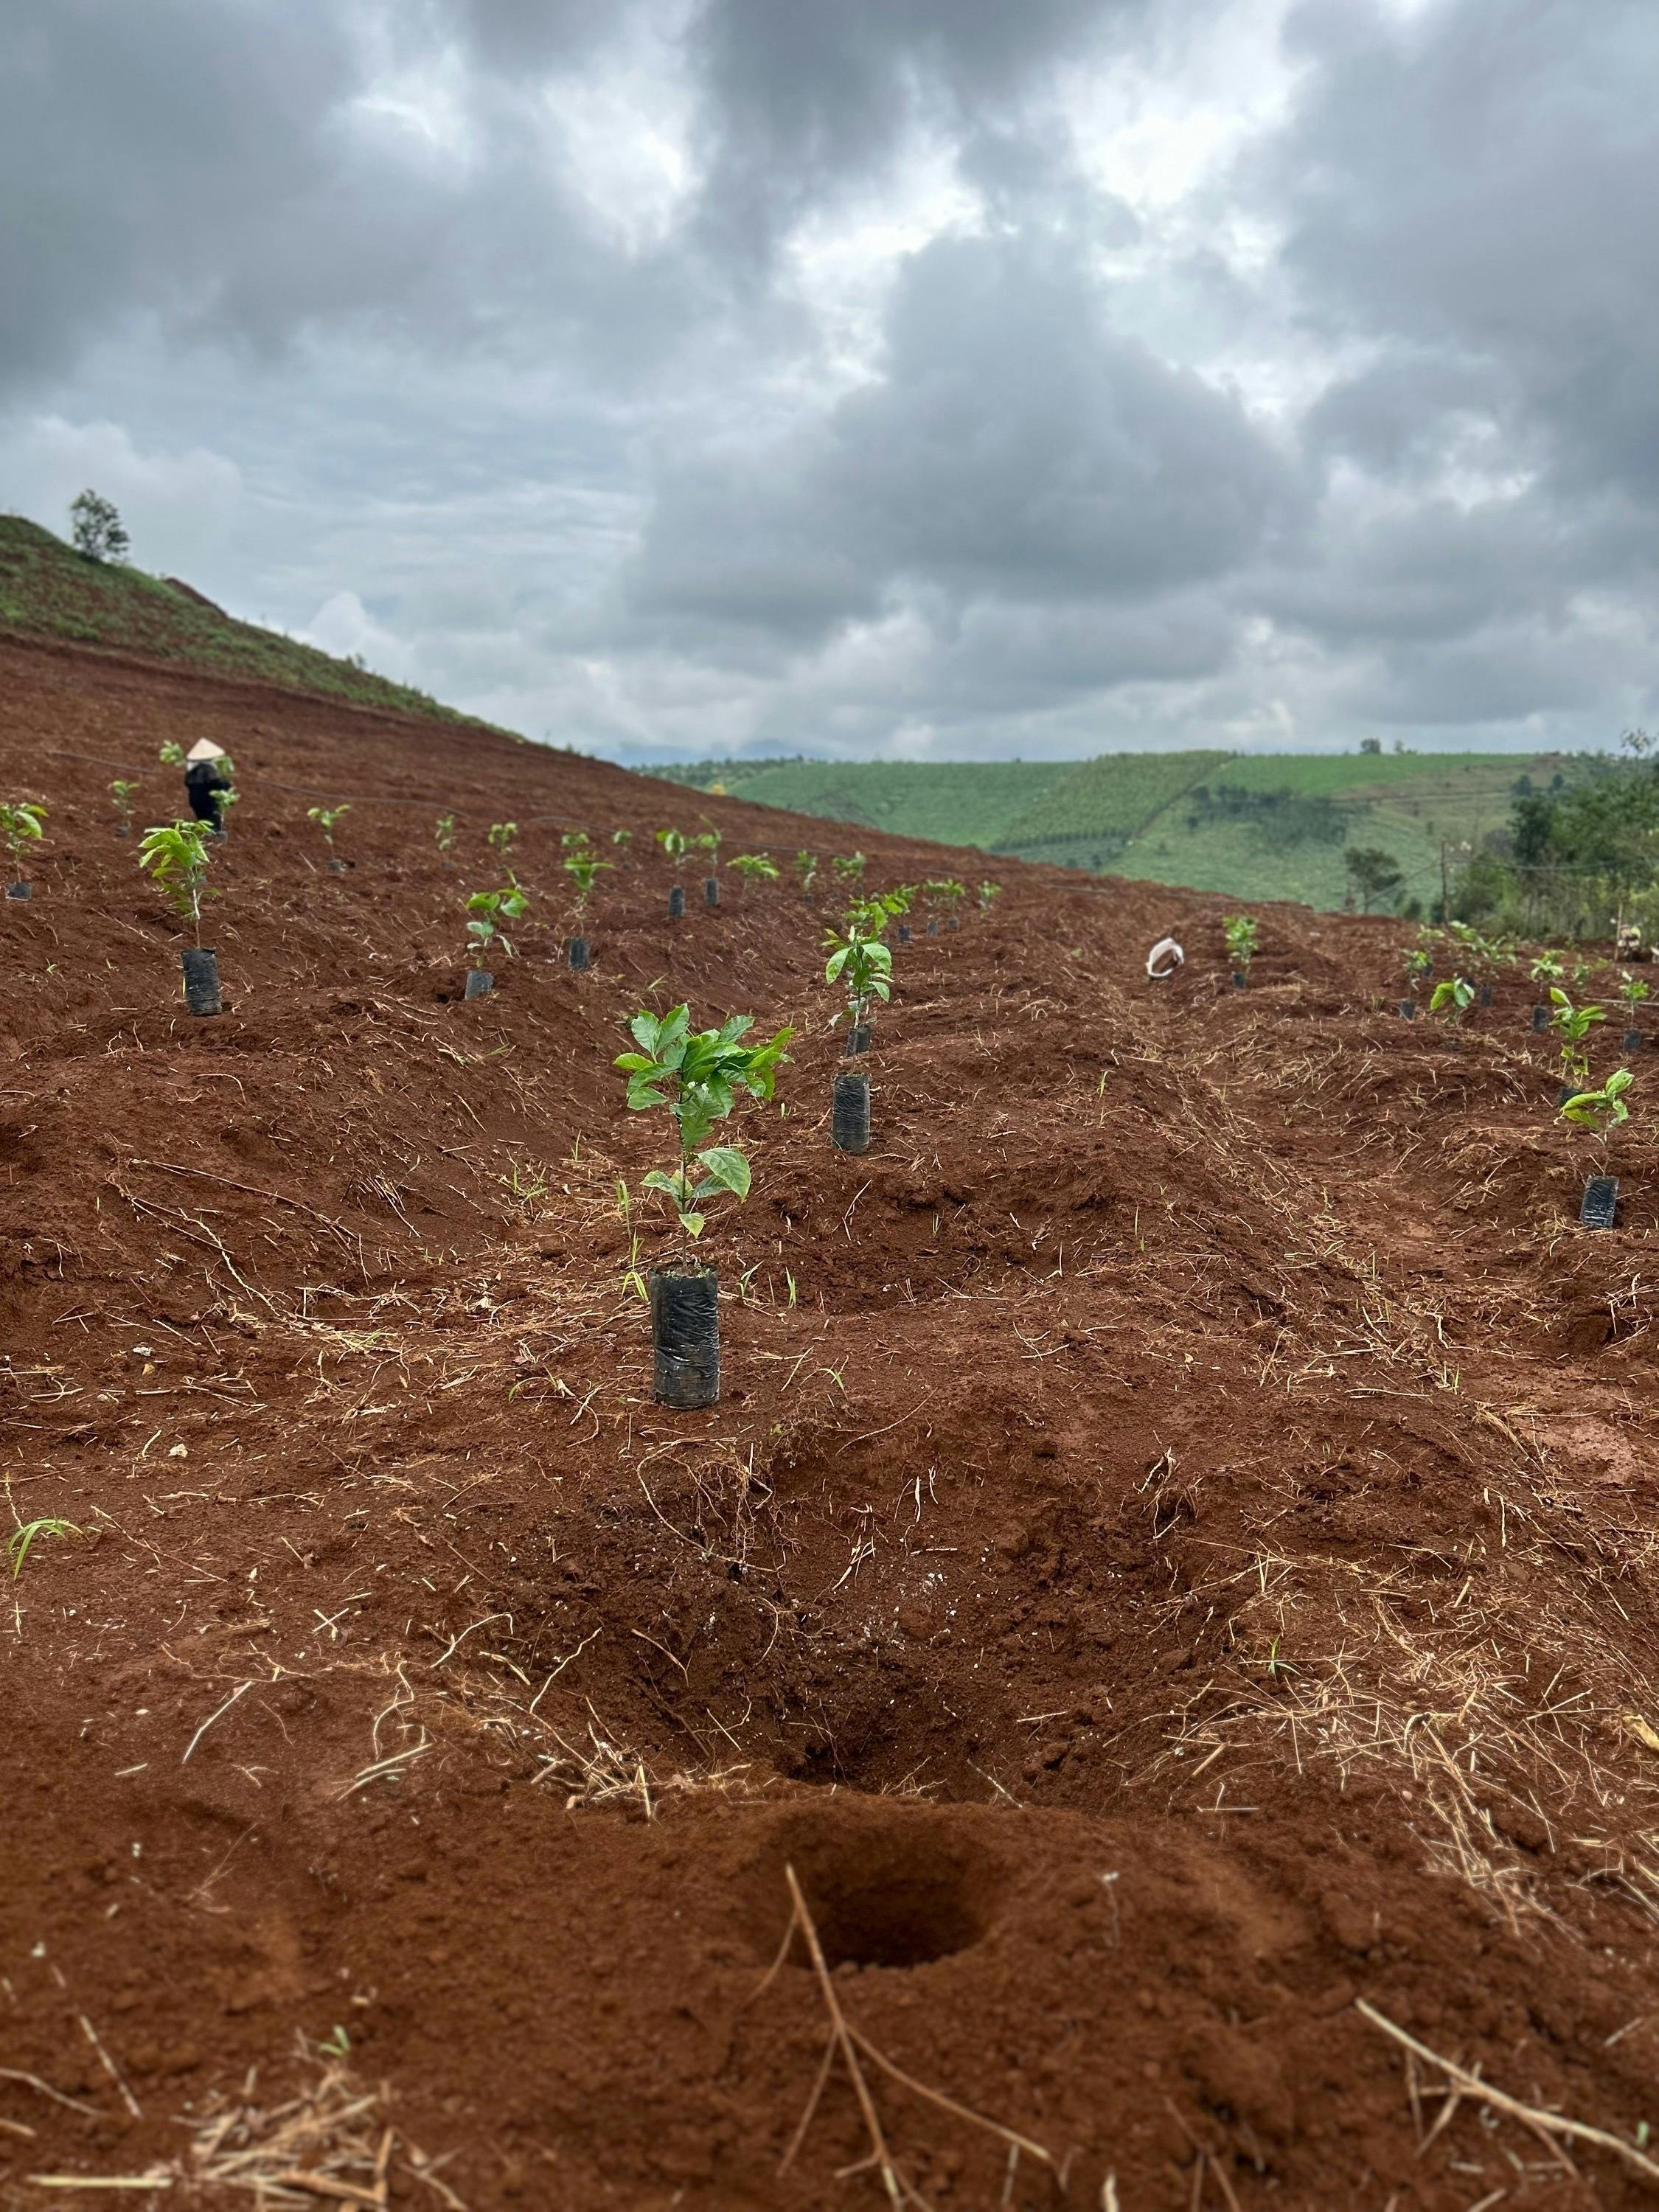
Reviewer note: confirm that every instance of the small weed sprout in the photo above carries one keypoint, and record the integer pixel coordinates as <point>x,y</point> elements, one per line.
<point>697,1075</point>
<point>1632,990</point>
<point>583,868</point>
<point>175,854</point>
<point>22,1539</point>
<point>988,894</point>
<point>20,825</point>
<point>674,845</point>
<point>1243,933</point>
<point>1572,1025</point>
<point>1453,997</point>
<point>325,818</point>
<point>848,868</point>
<point>753,868</point>
<point>121,792</point>
<point>488,909</point>
<point>443,836</point>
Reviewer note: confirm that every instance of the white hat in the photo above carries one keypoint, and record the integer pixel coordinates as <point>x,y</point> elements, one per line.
<point>205,749</point>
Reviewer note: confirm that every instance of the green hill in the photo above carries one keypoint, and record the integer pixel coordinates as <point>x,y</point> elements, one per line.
<point>1252,825</point>
<point>48,590</point>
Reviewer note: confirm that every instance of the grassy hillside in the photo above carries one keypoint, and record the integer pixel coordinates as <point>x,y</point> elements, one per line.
<point>971,803</point>
<point>47,590</point>
<point>1250,825</point>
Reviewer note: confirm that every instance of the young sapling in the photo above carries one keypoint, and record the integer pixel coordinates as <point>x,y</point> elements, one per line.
<point>175,855</point>
<point>951,893</point>
<point>1599,1112</point>
<point>22,821</point>
<point>489,911</point>
<point>443,836</point>
<point>806,866</point>
<point>583,867</point>
<point>988,894</point>
<point>695,1076</point>
<point>753,868</point>
<point>327,817</point>
<point>1418,961</point>
<point>172,754</point>
<point>709,842</point>
<point>1634,992</point>
<point>1242,933</point>
<point>1452,997</point>
<point>675,845</point>
<point>1572,1026</point>
<point>863,966</point>
<point>848,868</point>
<point>121,792</point>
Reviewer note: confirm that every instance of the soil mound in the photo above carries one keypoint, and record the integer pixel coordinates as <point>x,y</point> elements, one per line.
<point>1147,1670</point>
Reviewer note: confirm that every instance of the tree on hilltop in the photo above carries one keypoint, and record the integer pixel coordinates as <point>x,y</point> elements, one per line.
<point>98,531</point>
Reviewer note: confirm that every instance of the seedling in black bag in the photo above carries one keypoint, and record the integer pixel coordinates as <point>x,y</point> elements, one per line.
<point>1242,933</point>
<point>863,966</point>
<point>582,867</point>
<point>695,1076</point>
<point>121,792</point>
<point>20,821</point>
<point>488,909</point>
<point>175,855</point>
<point>1600,1112</point>
<point>1634,992</point>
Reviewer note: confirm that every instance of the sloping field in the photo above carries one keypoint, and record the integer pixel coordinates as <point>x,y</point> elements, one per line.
<point>1166,816</point>
<point>1170,1582</point>
<point>48,592</point>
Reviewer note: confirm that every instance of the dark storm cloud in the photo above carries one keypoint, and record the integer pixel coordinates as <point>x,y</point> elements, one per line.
<point>802,100</point>
<point>1014,447</point>
<point>1474,191</point>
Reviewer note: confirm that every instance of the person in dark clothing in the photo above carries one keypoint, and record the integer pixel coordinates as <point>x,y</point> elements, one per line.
<point>204,779</point>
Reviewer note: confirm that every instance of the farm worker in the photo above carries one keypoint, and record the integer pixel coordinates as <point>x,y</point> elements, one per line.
<point>1165,957</point>
<point>203,781</point>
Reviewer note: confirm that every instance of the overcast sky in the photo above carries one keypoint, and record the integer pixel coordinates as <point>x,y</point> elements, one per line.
<point>937,379</point>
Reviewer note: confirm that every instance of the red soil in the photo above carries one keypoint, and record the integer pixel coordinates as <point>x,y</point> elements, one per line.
<point>1169,1566</point>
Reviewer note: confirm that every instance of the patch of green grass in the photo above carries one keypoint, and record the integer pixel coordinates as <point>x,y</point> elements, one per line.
<point>49,590</point>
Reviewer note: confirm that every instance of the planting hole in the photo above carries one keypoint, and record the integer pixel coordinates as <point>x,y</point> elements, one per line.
<point>883,1890</point>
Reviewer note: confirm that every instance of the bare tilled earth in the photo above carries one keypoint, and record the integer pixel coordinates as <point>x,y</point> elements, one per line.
<point>1170,1583</point>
